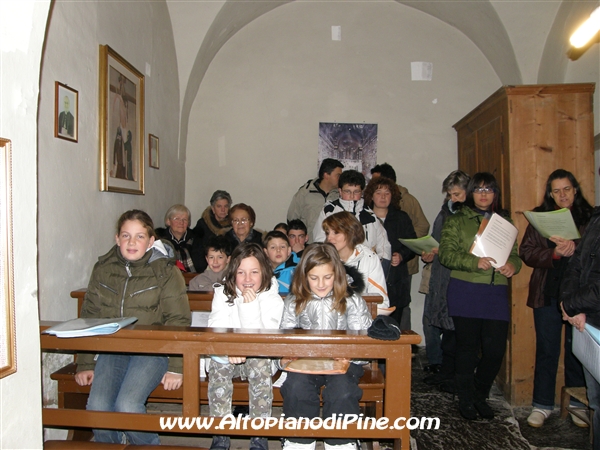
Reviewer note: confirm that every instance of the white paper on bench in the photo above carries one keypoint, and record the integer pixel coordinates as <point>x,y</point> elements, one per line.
<point>200,319</point>
<point>89,327</point>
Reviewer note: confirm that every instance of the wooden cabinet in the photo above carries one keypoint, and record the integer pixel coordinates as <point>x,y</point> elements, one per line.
<point>521,134</point>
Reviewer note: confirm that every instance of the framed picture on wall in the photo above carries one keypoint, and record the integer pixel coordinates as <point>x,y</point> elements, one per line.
<point>66,112</point>
<point>8,361</point>
<point>121,124</point>
<point>153,151</point>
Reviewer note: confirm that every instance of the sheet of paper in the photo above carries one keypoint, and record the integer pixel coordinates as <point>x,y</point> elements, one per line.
<point>200,318</point>
<point>553,223</point>
<point>496,240</point>
<point>89,327</point>
<point>423,244</point>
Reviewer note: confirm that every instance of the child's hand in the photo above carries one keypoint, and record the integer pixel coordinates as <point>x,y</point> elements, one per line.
<point>84,378</point>
<point>237,359</point>
<point>172,381</point>
<point>249,295</point>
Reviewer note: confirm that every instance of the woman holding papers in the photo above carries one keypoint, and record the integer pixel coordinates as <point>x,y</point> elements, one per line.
<point>436,320</point>
<point>137,277</point>
<point>477,297</point>
<point>549,259</point>
<point>383,196</point>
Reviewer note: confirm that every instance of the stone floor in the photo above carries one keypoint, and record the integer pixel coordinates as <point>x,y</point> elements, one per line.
<point>507,431</point>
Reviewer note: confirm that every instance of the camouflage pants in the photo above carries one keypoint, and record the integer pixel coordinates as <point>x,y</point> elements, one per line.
<point>260,386</point>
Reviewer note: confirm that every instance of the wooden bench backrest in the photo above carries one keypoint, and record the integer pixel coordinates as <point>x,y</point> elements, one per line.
<point>202,301</point>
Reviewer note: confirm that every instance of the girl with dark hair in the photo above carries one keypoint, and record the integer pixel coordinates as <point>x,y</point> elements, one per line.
<point>321,299</point>
<point>137,278</point>
<point>248,298</point>
<point>477,297</point>
<point>549,259</point>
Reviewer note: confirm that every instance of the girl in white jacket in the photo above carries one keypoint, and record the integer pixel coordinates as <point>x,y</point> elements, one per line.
<point>249,298</point>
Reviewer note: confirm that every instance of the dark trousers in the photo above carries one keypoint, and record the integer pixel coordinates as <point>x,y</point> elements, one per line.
<point>593,393</point>
<point>341,395</point>
<point>474,375</point>
<point>548,329</point>
<point>448,354</point>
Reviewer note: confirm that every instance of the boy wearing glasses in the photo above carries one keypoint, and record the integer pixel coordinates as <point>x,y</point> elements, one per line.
<point>351,186</point>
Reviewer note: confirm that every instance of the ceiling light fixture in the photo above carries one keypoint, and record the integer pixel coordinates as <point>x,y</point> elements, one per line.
<point>587,30</point>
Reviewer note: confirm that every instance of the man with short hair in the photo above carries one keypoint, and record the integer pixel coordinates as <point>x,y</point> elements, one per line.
<point>310,198</point>
<point>351,185</point>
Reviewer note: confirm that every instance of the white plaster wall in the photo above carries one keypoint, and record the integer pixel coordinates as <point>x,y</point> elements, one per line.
<point>76,220</point>
<point>21,47</point>
<point>254,125</point>
<point>191,21</point>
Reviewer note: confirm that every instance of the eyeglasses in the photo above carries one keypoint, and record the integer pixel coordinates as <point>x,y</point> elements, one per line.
<point>350,193</point>
<point>483,190</point>
<point>180,219</point>
<point>243,221</point>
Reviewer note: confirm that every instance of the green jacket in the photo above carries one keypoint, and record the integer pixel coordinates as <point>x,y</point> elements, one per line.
<point>151,289</point>
<point>458,235</point>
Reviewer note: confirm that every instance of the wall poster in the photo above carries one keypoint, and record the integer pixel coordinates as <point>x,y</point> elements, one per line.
<point>353,144</point>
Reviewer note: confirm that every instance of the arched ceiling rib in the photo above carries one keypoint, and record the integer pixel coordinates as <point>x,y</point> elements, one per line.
<point>477,19</point>
<point>553,65</point>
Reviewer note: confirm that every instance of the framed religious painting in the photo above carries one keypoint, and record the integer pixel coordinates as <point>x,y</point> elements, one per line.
<point>66,112</point>
<point>8,361</point>
<point>121,124</point>
<point>153,151</point>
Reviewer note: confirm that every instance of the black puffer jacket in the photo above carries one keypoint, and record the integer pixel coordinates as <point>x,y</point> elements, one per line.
<point>580,288</point>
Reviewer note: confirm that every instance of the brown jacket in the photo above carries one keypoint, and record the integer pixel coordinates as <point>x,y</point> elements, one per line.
<point>410,205</point>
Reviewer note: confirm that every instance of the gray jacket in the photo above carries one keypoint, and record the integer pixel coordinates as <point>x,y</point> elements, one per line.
<point>318,314</point>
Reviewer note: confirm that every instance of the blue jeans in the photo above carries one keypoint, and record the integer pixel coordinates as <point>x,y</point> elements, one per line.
<point>548,329</point>
<point>122,383</point>
<point>593,394</point>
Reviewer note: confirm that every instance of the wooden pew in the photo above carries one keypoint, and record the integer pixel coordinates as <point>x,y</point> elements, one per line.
<point>73,396</point>
<point>191,343</point>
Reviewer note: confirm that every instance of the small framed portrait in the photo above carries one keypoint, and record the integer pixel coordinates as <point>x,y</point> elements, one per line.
<point>153,151</point>
<point>121,124</point>
<point>66,112</point>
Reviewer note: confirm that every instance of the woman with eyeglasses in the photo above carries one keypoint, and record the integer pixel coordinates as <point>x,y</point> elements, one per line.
<point>549,259</point>
<point>188,247</point>
<point>477,297</point>
<point>242,230</point>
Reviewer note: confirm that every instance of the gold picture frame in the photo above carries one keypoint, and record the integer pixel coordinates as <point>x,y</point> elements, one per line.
<point>121,124</point>
<point>153,152</point>
<point>8,347</point>
<point>66,112</point>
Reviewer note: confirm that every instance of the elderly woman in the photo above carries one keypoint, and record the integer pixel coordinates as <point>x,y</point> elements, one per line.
<point>383,196</point>
<point>242,219</point>
<point>188,247</point>
<point>214,222</point>
<point>215,218</point>
<point>436,321</point>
